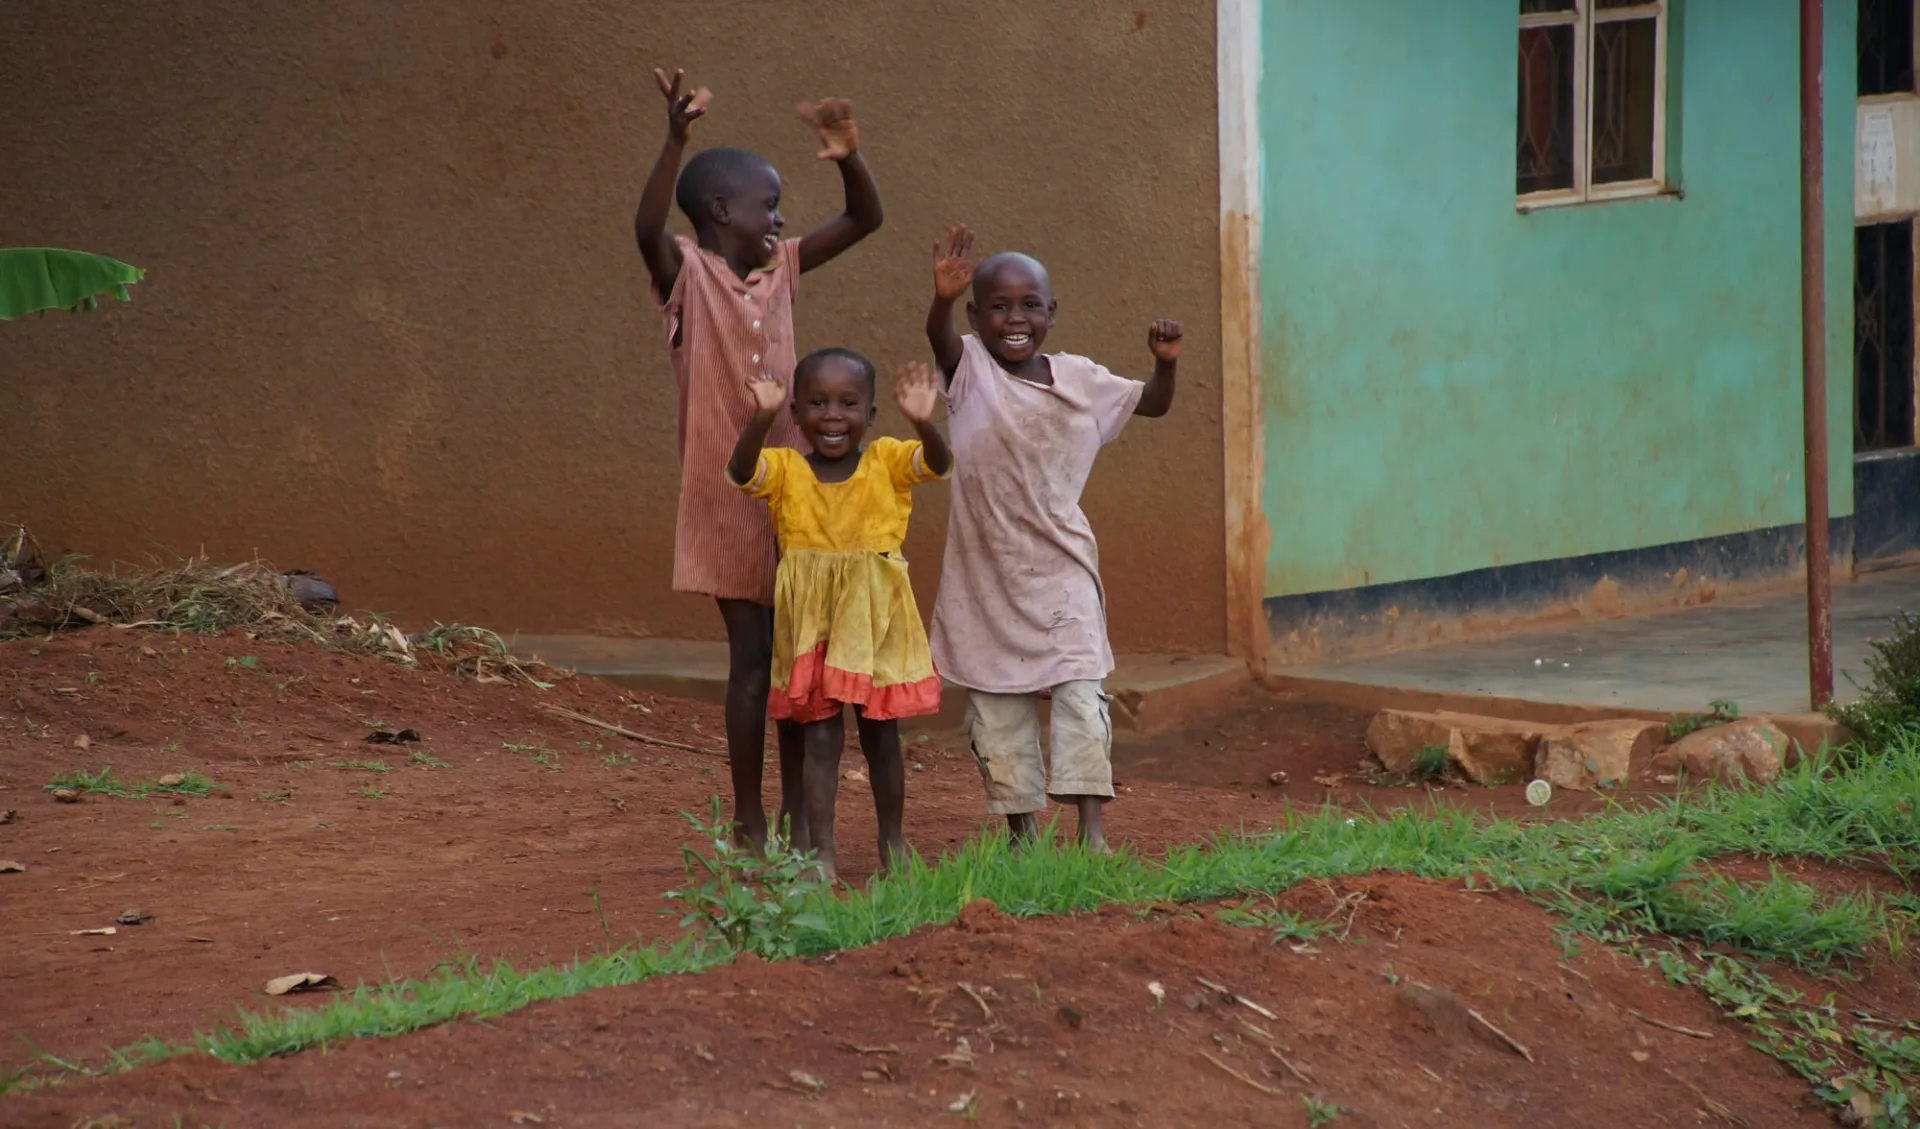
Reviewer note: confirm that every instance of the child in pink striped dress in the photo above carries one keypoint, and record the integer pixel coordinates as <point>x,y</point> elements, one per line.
<point>727,299</point>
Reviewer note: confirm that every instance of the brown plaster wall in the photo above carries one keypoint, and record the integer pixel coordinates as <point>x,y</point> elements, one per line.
<point>395,329</point>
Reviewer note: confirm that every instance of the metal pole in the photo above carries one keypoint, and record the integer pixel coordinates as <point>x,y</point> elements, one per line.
<point>1813,356</point>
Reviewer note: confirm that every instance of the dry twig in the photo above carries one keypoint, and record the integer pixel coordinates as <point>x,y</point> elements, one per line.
<point>1260,1086</point>
<point>1509,1040</point>
<point>574,715</point>
<point>1241,1000</point>
<point>1673,1027</point>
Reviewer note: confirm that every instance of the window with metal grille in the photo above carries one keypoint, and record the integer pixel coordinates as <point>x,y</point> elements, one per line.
<point>1883,406</point>
<point>1592,100</point>
<point>1884,39</point>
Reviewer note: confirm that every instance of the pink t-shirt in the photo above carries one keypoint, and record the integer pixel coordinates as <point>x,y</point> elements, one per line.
<point>1021,608</point>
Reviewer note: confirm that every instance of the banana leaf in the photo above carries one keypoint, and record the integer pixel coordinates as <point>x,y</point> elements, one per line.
<point>33,279</point>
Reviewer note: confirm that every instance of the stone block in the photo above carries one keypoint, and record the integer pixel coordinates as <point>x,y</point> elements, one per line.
<point>1749,750</point>
<point>1489,750</point>
<point>1808,733</point>
<point>1597,753</point>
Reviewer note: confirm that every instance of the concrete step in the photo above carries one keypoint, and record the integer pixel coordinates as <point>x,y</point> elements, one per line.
<point>1150,692</point>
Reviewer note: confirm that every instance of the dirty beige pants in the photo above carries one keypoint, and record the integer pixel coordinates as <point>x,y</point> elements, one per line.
<point>1004,730</point>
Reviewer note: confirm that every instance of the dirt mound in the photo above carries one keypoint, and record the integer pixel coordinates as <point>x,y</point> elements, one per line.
<point>1055,1021</point>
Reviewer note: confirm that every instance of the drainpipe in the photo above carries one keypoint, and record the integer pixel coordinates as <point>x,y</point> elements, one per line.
<point>1813,356</point>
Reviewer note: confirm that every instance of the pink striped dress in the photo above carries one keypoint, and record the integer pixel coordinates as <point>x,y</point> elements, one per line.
<point>721,329</point>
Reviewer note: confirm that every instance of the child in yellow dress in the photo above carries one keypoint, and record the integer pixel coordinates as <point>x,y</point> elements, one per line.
<point>846,631</point>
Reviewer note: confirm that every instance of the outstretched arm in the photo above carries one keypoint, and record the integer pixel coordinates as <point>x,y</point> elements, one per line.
<point>1163,337</point>
<point>918,396</point>
<point>952,274</point>
<point>832,119</point>
<point>768,398</point>
<point>650,219</point>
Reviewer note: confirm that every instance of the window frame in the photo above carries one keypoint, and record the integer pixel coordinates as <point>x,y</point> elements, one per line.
<point>1584,17</point>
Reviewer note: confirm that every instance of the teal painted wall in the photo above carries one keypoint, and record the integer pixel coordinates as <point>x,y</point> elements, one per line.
<point>1450,385</point>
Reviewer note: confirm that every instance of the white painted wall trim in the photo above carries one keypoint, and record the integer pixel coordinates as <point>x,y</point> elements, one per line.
<point>1238,66</point>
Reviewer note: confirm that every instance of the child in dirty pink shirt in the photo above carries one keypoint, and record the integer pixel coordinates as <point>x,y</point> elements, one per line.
<point>1021,611</point>
<point>727,299</point>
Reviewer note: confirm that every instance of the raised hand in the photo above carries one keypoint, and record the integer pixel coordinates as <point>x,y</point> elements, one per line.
<point>832,119</point>
<point>1163,337</point>
<point>953,263</point>
<point>915,390</point>
<point>681,108</point>
<point>769,395</point>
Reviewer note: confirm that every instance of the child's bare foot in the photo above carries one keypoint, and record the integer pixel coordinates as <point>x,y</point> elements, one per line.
<point>749,832</point>
<point>829,873</point>
<point>1092,833</point>
<point>1023,828</point>
<point>894,856</point>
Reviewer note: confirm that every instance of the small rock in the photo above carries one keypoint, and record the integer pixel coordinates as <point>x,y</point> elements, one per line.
<point>9,866</point>
<point>1277,779</point>
<point>1194,1001</point>
<point>133,915</point>
<point>66,795</point>
<point>172,780</point>
<point>8,816</point>
<point>1070,1016</point>
<point>1746,751</point>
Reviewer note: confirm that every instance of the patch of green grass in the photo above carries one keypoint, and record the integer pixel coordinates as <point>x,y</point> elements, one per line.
<point>1430,763</point>
<point>364,766</point>
<point>619,758</point>
<point>1720,711</point>
<point>1285,925</point>
<point>428,760</point>
<point>245,662</point>
<point>1641,879</point>
<point>104,783</point>
<point>221,827</point>
<point>368,791</point>
<point>1319,1112</point>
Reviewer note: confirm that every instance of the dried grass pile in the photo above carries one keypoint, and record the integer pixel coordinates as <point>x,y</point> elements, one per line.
<point>38,599</point>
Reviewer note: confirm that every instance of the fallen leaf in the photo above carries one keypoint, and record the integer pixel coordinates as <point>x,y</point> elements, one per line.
<point>66,795</point>
<point>172,780</point>
<point>83,742</point>
<point>1640,1056</point>
<point>1159,992</point>
<point>298,982</point>
<point>962,1104</point>
<point>802,1078</point>
<point>701,1052</point>
<point>522,1117</point>
<point>8,866</point>
<point>855,775</point>
<point>1330,780</point>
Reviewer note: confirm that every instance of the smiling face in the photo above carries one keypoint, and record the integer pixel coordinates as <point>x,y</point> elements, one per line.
<point>1012,308</point>
<point>833,404</point>
<point>748,218</point>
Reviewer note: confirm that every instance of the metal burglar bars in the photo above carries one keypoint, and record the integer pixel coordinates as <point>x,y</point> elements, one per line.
<point>1883,336</point>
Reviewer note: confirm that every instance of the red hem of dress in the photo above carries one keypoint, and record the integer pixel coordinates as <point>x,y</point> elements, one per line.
<point>816,691</point>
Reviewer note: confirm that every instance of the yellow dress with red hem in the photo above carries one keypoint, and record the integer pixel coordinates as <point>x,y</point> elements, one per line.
<point>846,629</point>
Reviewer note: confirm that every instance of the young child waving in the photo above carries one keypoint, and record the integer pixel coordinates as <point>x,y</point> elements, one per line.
<point>727,296</point>
<point>1021,610</point>
<point>846,631</point>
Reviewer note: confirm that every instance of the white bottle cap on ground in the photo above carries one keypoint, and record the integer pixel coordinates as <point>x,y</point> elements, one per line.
<point>1539,792</point>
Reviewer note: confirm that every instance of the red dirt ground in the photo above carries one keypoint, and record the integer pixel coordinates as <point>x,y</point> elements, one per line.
<point>293,869</point>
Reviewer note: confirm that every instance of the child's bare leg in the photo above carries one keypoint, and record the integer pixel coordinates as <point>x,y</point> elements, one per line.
<point>1092,831</point>
<point>824,740</point>
<point>1083,756</point>
<point>793,791</point>
<point>1004,732</point>
<point>887,770</point>
<point>749,675</point>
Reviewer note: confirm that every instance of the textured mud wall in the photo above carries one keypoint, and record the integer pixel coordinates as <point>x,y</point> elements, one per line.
<point>395,329</point>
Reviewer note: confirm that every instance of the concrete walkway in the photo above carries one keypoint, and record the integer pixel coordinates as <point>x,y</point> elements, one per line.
<point>1751,652</point>
<point>1148,689</point>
